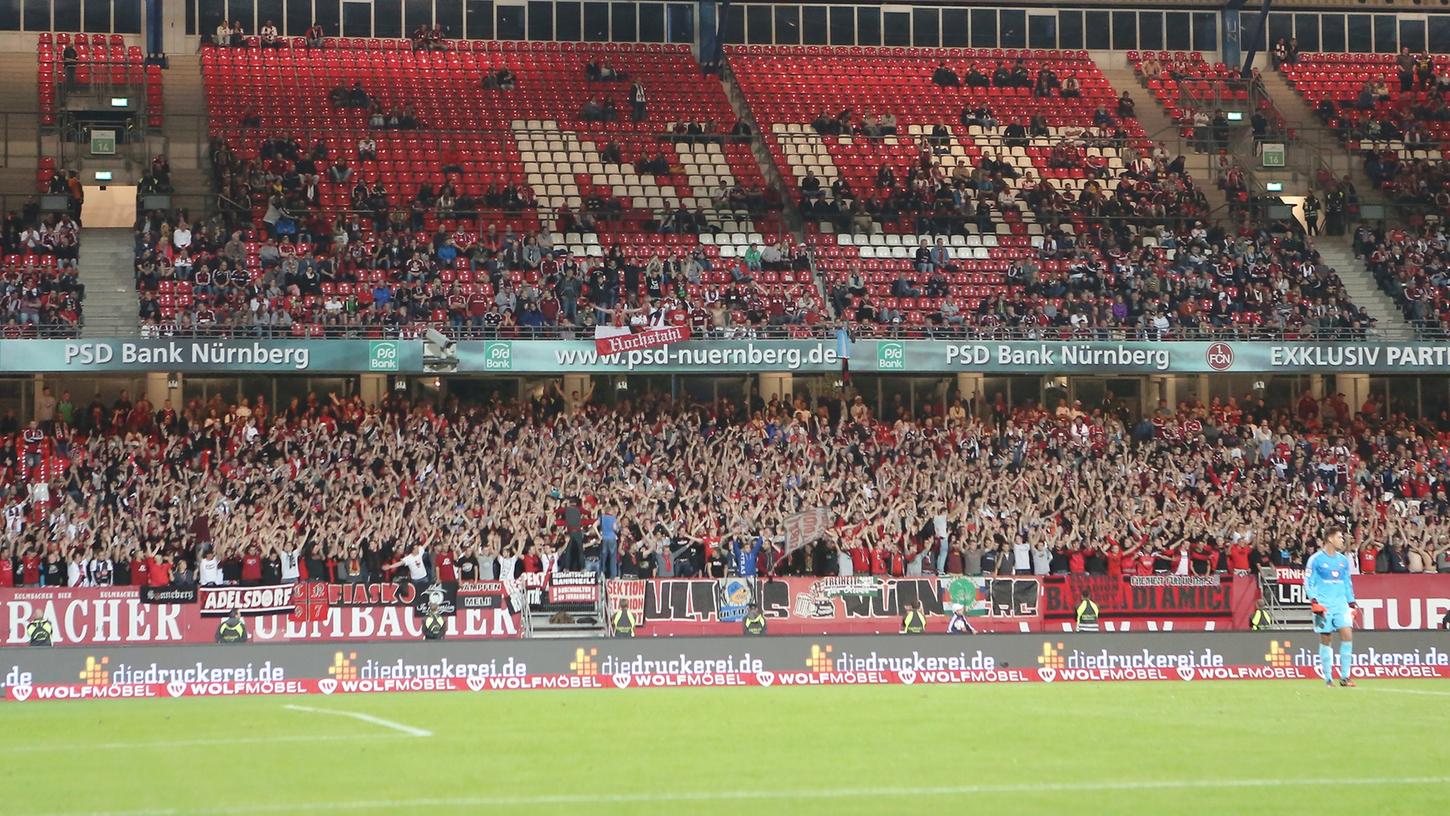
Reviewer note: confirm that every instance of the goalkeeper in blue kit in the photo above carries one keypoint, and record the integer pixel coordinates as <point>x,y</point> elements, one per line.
<point>1330,591</point>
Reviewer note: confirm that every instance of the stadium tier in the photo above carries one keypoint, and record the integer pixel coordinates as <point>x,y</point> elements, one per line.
<point>589,157</point>
<point>974,489</point>
<point>1014,191</point>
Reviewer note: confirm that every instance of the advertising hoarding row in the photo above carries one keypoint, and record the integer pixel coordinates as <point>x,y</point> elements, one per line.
<point>717,356</point>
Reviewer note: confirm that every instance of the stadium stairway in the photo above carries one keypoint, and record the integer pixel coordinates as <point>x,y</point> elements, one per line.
<point>1337,251</point>
<point>185,125</point>
<point>19,156</point>
<point>772,174</point>
<point>1160,128</point>
<point>1296,111</point>
<point>107,263</point>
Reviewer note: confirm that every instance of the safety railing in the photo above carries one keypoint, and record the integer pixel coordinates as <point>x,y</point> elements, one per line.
<point>465,331</point>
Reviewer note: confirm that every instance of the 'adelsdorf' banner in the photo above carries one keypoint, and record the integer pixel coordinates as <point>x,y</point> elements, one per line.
<point>672,351</point>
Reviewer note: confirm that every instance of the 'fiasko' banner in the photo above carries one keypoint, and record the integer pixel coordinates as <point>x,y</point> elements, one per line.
<point>341,612</point>
<point>830,605</point>
<point>1228,599</point>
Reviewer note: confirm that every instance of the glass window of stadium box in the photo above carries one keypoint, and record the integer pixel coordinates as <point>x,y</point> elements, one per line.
<point>1150,30</point>
<point>651,22</point>
<point>67,16</point>
<point>1412,35</point>
<point>126,16</point>
<point>1069,33</point>
<point>814,26</point>
<point>357,20</point>
<point>984,28</point>
<point>622,21</point>
<point>954,28</point>
<point>1385,34</point>
<point>1098,34</point>
<point>1360,33</point>
<point>37,15</point>
<point>17,395</point>
<point>1331,32</point>
<point>9,15</point>
<point>1438,33</point>
<point>271,10</point>
<point>567,23</point>
<point>926,27</point>
<point>596,22</point>
<point>788,25</point>
<point>1306,30</point>
<point>246,11</point>
<point>896,28</point>
<point>681,22</point>
<point>326,12</point>
<point>508,21</point>
<point>541,21</point>
<point>1205,31</point>
<point>1179,31</point>
<point>843,25</point>
<point>415,13</point>
<point>868,26</point>
<point>757,24</point>
<point>1012,28</point>
<point>1125,30</point>
<point>389,22</point>
<point>1281,27</point>
<point>449,14</point>
<point>478,18</point>
<point>1041,31</point>
<point>298,18</point>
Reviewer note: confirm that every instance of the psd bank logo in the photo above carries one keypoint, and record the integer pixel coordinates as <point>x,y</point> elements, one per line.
<point>890,355</point>
<point>1279,656</point>
<point>498,356</point>
<point>1051,657</point>
<point>1220,356</point>
<point>383,355</point>
<point>95,673</point>
<point>820,659</point>
<point>584,664</point>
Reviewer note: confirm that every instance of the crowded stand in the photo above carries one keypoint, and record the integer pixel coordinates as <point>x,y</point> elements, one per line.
<point>1015,193</point>
<point>601,183</point>
<point>327,486</point>
<point>1411,263</point>
<point>40,289</point>
<point>1194,92</point>
<point>1388,107</point>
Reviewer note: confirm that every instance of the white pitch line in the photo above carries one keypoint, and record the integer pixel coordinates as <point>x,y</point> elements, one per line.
<point>196,743</point>
<point>1409,691</point>
<point>767,795</point>
<point>368,718</point>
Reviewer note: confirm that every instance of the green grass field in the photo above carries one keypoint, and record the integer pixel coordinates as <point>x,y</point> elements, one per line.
<point>1156,748</point>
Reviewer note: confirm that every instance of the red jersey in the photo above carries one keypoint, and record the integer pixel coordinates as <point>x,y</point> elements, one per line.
<point>251,567</point>
<point>1366,560</point>
<point>446,567</point>
<point>1238,557</point>
<point>30,570</point>
<point>160,574</point>
<point>141,572</point>
<point>1076,562</point>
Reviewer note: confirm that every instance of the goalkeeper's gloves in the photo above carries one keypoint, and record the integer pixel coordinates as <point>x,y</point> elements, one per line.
<point>1317,607</point>
<point>1353,605</point>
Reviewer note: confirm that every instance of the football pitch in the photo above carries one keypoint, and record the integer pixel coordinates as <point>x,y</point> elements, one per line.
<point>1278,747</point>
